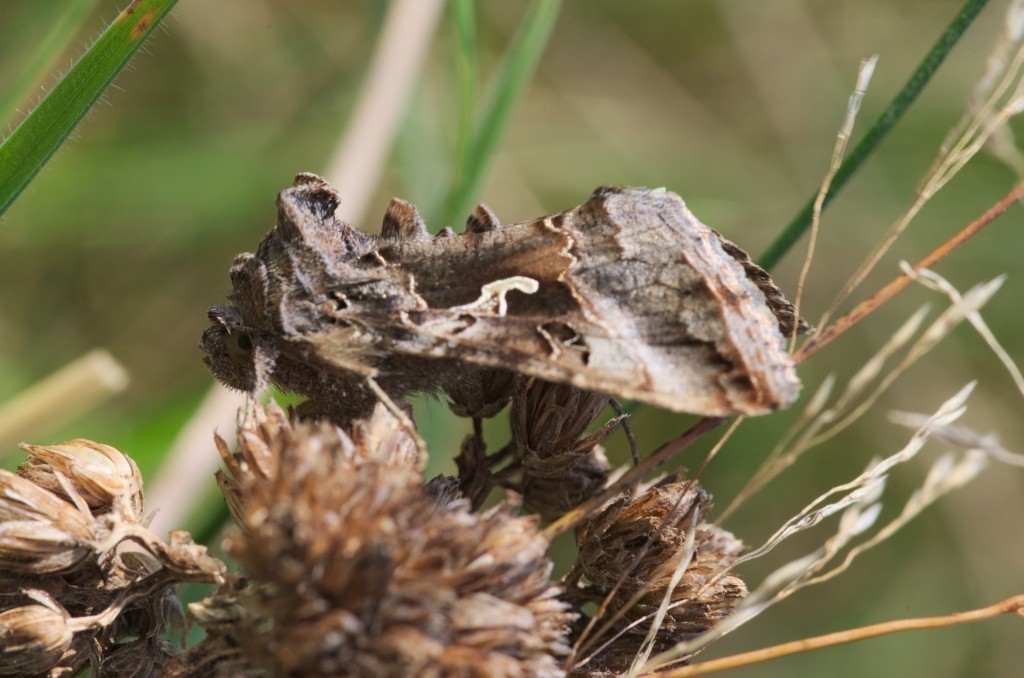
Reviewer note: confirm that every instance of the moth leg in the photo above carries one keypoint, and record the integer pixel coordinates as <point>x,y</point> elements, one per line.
<point>404,420</point>
<point>627,428</point>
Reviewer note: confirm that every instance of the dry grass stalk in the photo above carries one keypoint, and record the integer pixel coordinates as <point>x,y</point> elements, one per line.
<point>1001,93</point>
<point>1012,605</point>
<point>79,386</point>
<point>867,69</point>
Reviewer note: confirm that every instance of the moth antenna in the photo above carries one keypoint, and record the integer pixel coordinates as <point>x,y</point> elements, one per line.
<point>402,221</point>
<point>481,220</point>
<point>403,419</point>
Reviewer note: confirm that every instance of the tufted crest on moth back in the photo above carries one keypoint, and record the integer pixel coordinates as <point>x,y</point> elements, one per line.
<point>481,220</point>
<point>402,221</point>
<point>305,215</point>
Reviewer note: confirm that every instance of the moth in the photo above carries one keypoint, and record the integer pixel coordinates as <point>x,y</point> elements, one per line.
<point>628,295</point>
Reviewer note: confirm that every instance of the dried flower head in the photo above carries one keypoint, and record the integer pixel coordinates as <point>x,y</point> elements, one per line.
<point>551,497</point>
<point>633,551</point>
<point>33,638</point>
<point>78,594</point>
<point>481,392</point>
<point>354,569</point>
<point>102,476</point>
<point>40,531</point>
<point>548,423</point>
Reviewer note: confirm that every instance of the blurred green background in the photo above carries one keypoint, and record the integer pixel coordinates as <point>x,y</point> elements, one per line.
<point>125,238</point>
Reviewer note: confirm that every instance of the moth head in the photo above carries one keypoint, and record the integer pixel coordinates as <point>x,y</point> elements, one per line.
<point>240,357</point>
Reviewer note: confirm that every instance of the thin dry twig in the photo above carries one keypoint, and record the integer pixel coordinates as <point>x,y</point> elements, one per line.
<point>898,284</point>
<point>1003,99</point>
<point>1011,605</point>
<point>867,69</point>
<point>858,507</point>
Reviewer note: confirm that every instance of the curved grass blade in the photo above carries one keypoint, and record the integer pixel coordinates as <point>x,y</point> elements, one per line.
<point>873,137</point>
<point>42,132</point>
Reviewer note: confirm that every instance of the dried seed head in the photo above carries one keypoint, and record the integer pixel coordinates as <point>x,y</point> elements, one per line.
<point>102,476</point>
<point>551,497</point>
<point>648,537</point>
<point>548,422</point>
<point>481,392</point>
<point>355,569</point>
<point>39,531</point>
<point>33,638</point>
<point>101,604</point>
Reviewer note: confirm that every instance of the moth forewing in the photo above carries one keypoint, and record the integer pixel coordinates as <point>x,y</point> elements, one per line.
<point>627,294</point>
<point>634,297</point>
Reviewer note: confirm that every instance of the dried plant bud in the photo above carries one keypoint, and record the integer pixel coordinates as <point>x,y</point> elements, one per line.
<point>551,497</point>
<point>481,392</point>
<point>354,569</point>
<point>103,605</point>
<point>143,658</point>
<point>548,422</point>
<point>647,537</point>
<point>99,473</point>
<point>33,638</point>
<point>39,531</point>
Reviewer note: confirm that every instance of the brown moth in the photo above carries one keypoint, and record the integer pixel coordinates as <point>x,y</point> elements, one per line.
<point>627,294</point>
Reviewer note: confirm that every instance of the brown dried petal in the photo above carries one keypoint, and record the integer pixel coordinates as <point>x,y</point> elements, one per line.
<point>100,474</point>
<point>33,638</point>
<point>36,548</point>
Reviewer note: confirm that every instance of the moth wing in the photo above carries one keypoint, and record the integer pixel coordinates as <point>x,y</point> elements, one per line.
<point>628,294</point>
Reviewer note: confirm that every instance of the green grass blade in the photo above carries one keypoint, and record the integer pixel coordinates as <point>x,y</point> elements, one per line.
<point>514,73</point>
<point>45,56</point>
<point>899,105</point>
<point>469,73</point>
<point>42,132</point>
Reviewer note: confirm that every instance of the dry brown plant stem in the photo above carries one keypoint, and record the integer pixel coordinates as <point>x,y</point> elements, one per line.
<point>895,286</point>
<point>632,476</point>
<point>1011,605</point>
